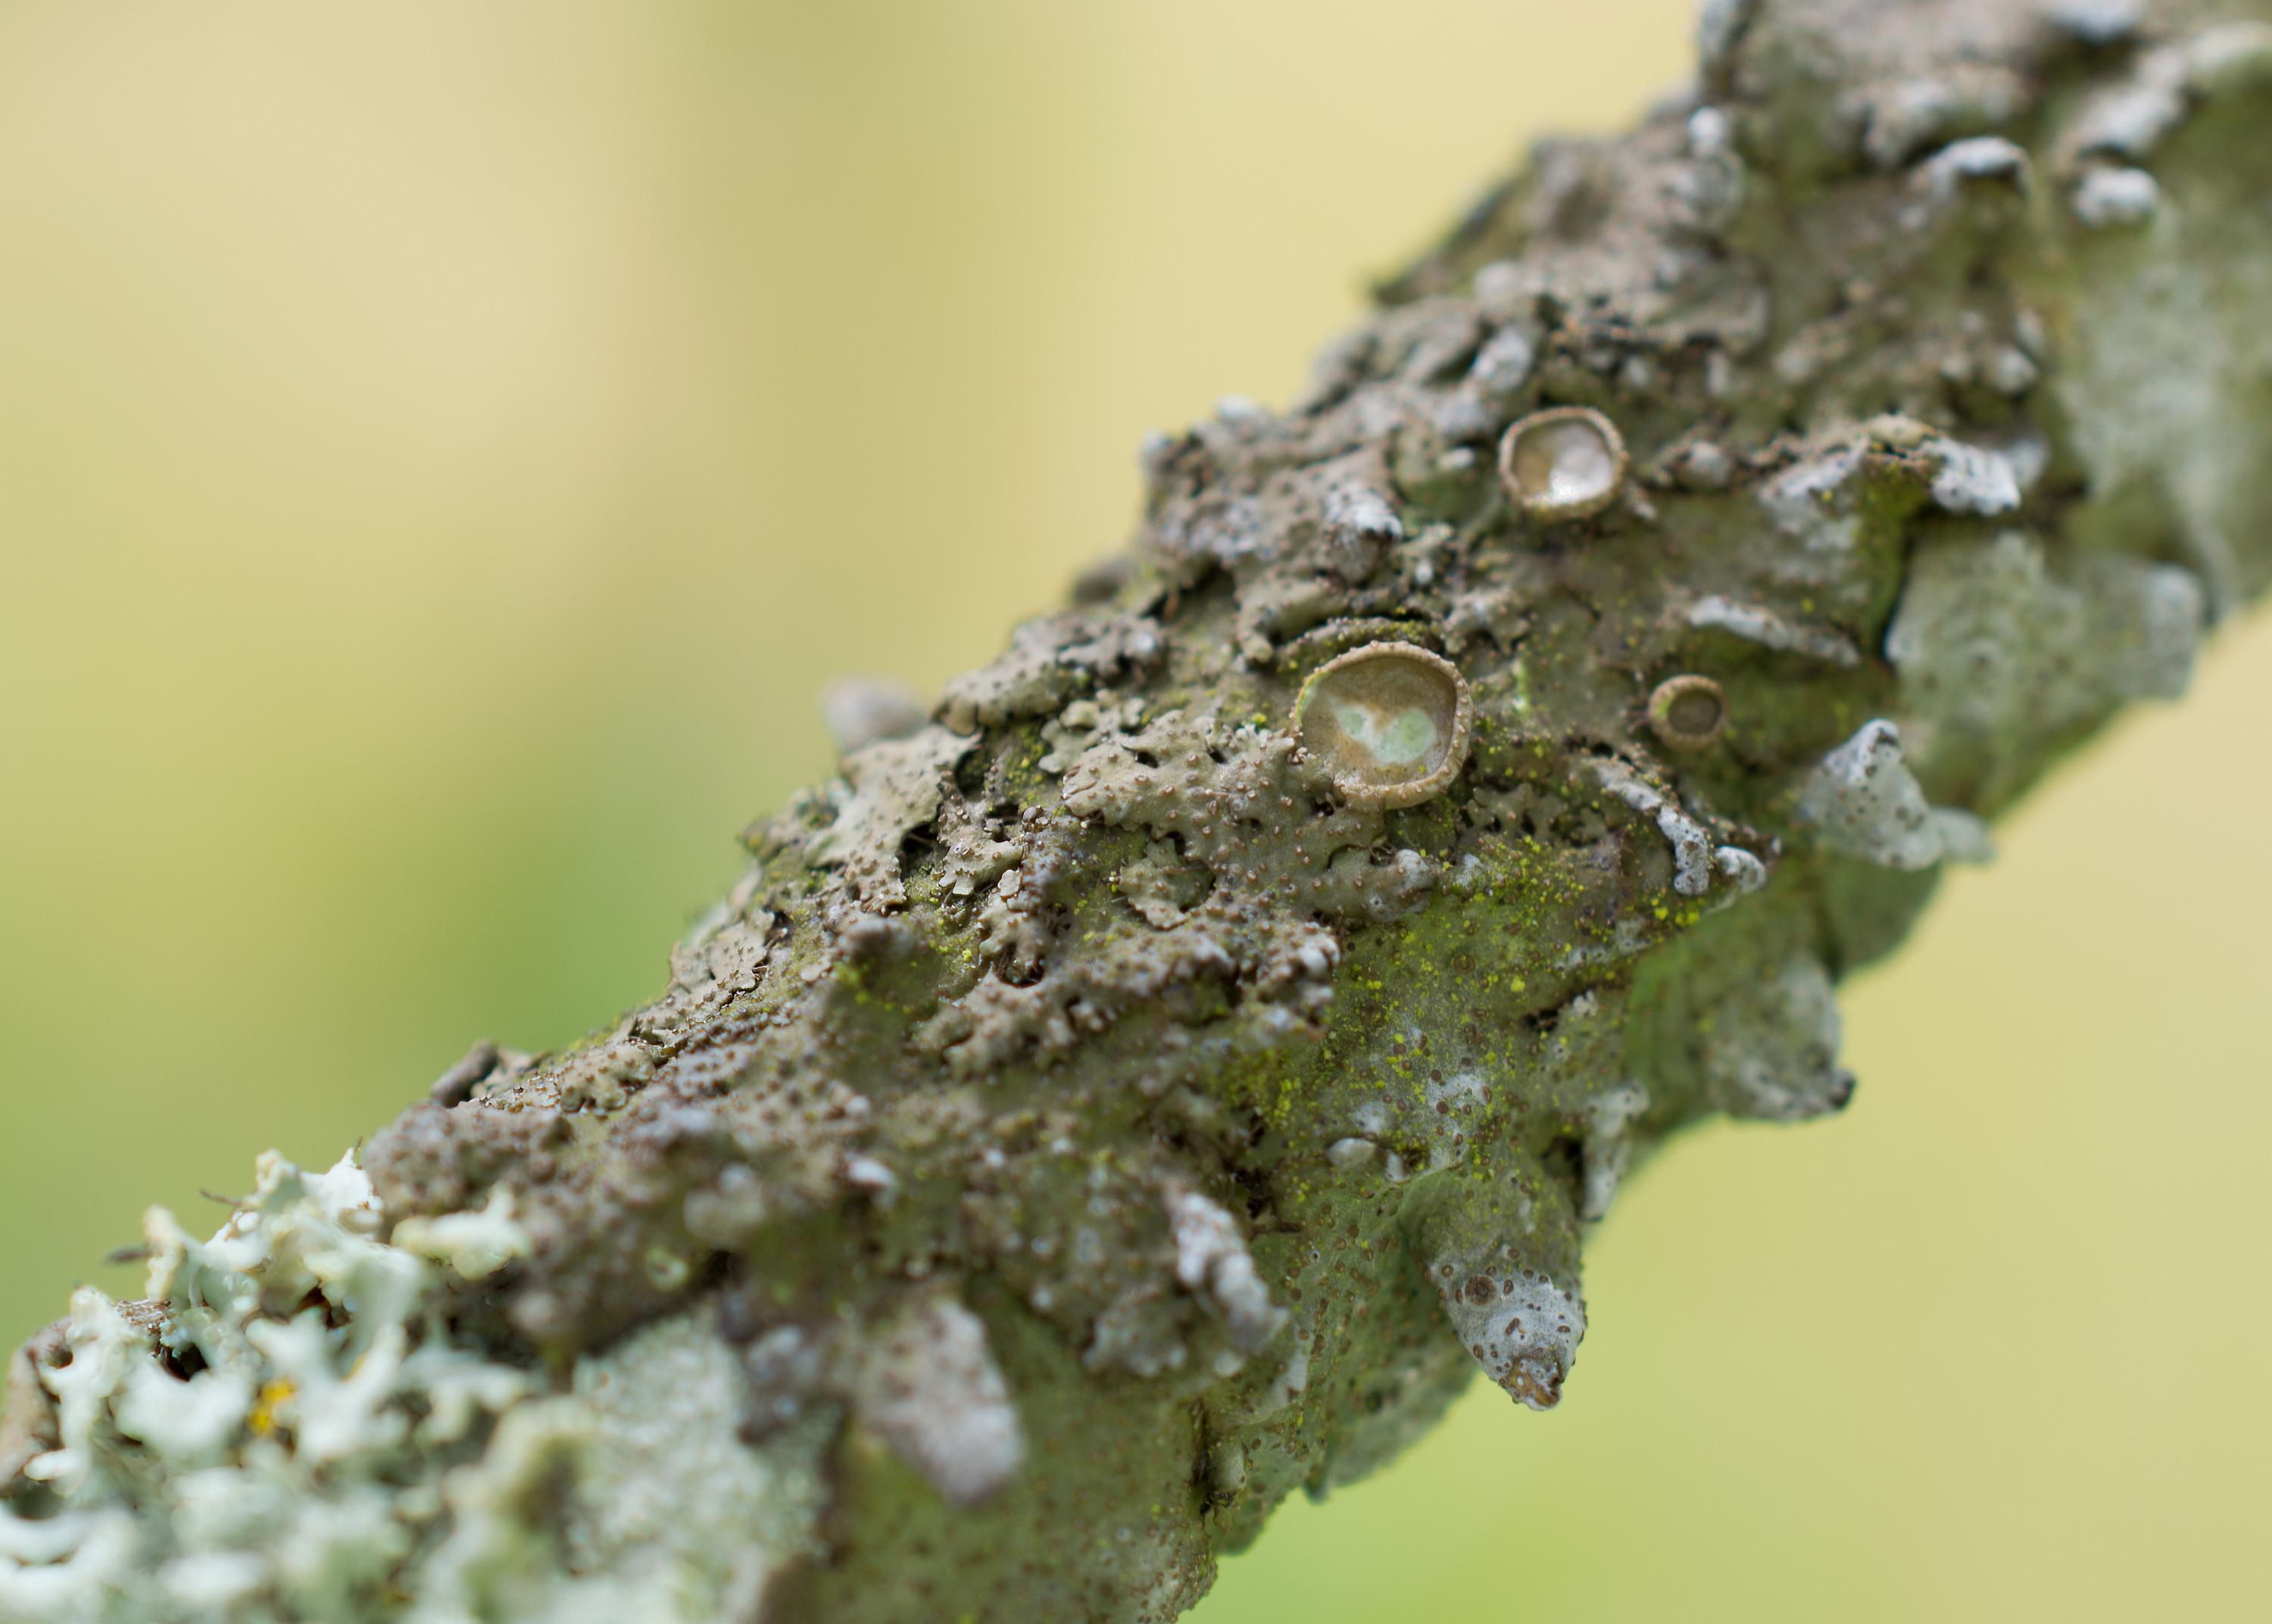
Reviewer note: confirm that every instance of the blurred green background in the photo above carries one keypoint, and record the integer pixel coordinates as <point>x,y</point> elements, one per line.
<point>444,449</point>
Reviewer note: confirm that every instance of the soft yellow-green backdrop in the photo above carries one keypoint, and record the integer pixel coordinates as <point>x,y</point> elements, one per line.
<point>443,447</point>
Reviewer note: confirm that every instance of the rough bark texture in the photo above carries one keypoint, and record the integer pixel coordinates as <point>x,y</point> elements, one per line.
<point>1105,1109</point>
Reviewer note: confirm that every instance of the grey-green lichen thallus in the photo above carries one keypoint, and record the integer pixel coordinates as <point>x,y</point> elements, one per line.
<point>1389,722</point>
<point>1563,463</point>
<point>1688,712</point>
<point>1079,1130</point>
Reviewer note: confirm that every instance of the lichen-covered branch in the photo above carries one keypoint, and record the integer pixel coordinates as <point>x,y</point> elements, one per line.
<point>1159,1079</point>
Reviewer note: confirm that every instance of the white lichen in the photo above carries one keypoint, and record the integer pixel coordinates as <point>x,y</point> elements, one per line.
<point>1502,365</point>
<point>1694,857</point>
<point>1520,1325</point>
<point>224,1451</point>
<point>669,1494</point>
<point>928,1387</point>
<point>1771,1050</point>
<point>1608,1145</point>
<point>2001,643</point>
<point>1816,504</point>
<point>2113,195</point>
<point>1212,1261</point>
<point>1863,801</point>
<point>1972,479</point>
<point>476,1243</point>
<point>1973,161</point>
<point>1755,623</point>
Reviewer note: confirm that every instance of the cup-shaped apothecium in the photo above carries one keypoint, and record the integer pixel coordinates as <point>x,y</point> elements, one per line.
<point>1389,722</point>
<point>1688,712</point>
<point>1563,463</point>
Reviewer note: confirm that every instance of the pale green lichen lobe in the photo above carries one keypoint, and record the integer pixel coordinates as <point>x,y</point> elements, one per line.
<point>286,1428</point>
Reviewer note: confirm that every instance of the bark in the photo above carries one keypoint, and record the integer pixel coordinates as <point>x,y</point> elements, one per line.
<point>1159,1081</point>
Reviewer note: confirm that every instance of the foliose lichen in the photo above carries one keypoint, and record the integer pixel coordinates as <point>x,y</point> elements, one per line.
<point>285,1427</point>
<point>1099,1111</point>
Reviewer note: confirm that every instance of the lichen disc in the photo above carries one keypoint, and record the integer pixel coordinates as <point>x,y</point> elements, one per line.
<point>1389,721</point>
<point>1563,463</point>
<point>1688,712</point>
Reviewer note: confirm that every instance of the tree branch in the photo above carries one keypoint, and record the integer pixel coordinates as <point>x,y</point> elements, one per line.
<point>1160,1081</point>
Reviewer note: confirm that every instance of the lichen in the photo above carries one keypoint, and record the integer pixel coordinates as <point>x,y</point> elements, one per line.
<point>1861,800</point>
<point>1688,711</point>
<point>1564,462</point>
<point>1389,723</point>
<point>2007,653</point>
<point>222,1449</point>
<point>1099,1113</point>
<point>896,786</point>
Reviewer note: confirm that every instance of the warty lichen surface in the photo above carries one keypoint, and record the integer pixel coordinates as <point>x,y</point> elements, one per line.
<point>1082,1127</point>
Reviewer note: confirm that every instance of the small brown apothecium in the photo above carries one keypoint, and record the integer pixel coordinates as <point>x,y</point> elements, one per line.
<point>1688,712</point>
<point>1389,721</point>
<point>1563,463</point>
